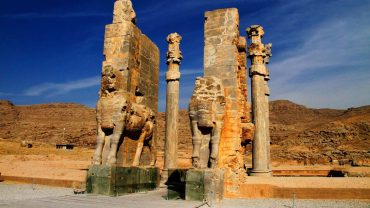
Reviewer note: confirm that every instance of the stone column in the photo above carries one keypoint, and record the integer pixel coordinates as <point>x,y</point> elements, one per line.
<point>174,57</point>
<point>267,108</point>
<point>259,76</point>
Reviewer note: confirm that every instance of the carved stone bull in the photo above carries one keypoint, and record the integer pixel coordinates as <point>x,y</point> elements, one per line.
<point>206,111</point>
<point>116,116</point>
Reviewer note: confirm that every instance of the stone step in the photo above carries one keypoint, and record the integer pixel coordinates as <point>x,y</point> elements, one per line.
<point>301,188</point>
<point>46,181</point>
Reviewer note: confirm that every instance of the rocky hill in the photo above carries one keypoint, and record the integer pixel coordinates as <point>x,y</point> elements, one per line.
<point>298,134</point>
<point>50,123</point>
<point>314,136</point>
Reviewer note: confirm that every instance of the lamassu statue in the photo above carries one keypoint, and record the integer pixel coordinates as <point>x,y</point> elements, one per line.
<point>116,116</point>
<point>206,111</point>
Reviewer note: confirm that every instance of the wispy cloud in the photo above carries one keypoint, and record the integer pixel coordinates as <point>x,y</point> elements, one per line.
<point>54,15</point>
<point>326,64</point>
<point>54,89</point>
<point>338,91</point>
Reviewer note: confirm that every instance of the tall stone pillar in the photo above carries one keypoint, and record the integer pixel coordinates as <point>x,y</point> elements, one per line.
<point>260,107</point>
<point>174,57</point>
<point>267,109</point>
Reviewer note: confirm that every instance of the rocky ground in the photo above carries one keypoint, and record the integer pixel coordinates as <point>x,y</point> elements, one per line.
<point>299,135</point>
<point>316,136</point>
<point>48,123</point>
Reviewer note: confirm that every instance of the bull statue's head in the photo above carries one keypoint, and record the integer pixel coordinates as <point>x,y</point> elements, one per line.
<point>108,79</point>
<point>123,11</point>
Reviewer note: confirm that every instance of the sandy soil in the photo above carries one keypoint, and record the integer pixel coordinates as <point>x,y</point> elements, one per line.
<point>43,161</point>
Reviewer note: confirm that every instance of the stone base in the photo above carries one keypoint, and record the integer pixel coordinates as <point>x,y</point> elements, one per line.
<point>204,185</point>
<point>176,183</point>
<point>261,173</point>
<point>115,181</point>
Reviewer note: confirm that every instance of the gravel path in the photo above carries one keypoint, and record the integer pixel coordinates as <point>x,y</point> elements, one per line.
<point>20,195</point>
<point>17,192</point>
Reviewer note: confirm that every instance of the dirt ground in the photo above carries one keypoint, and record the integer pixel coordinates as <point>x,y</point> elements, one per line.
<point>43,161</point>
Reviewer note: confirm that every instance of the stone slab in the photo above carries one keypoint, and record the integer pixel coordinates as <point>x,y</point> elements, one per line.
<point>44,181</point>
<point>115,181</point>
<point>204,185</point>
<point>301,187</point>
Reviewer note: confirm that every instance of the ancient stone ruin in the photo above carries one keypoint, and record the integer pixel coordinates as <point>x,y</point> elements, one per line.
<point>219,111</point>
<point>126,108</point>
<point>128,99</point>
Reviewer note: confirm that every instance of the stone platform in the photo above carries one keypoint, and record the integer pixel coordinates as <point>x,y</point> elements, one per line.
<point>115,181</point>
<point>301,188</point>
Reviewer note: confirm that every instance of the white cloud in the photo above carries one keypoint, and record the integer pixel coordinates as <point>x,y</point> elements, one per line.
<point>331,66</point>
<point>53,89</point>
<point>337,91</point>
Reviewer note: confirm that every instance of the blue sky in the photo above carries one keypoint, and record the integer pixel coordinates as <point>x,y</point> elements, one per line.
<point>51,51</point>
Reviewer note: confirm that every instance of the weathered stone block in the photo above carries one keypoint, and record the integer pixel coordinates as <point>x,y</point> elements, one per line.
<point>115,181</point>
<point>100,181</point>
<point>204,185</point>
<point>118,30</point>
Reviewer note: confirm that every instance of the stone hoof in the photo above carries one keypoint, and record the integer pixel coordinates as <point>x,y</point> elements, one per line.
<point>96,161</point>
<point>213,163</point>
<point>196,162</point>
<point>135,164</point>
